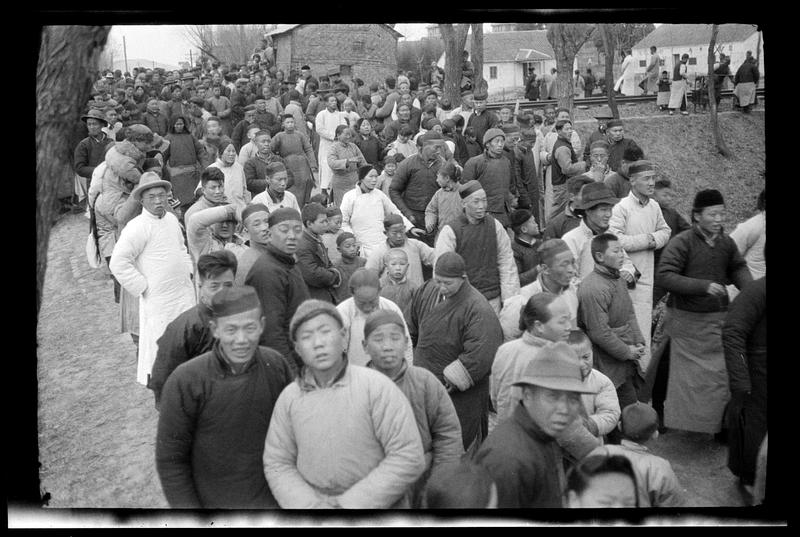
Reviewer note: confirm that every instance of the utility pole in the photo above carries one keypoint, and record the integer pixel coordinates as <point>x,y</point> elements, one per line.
<point>125,52</point>
<point>191,61</point>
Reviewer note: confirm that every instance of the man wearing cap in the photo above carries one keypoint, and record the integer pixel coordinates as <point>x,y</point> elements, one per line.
<point>640,226</point>
<point>340,436</point>
<point>151,262</point>
<point>91,151</point>
<point>564,163</point>
<point>528,166</point>
<point>603,115</point>
<point>437,421</point>
<point>239,98</point>
<point>270,267</point>
<point>619,181</point>
<point>216,409</point>
<point>457,334</point>
<point>694,268</point>
<point>522,454</point>
<point>494,174</point>
<point>484,245</point>
<point>240,130</point>
<point>414,182</point>
<point>548,159</point>
<point>513,135</point>
<point>189,334</point>
<point>481,119</point>
<point>298,156</point>
<point>594,210</point>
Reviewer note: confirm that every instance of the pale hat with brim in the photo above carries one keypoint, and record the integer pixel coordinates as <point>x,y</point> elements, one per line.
<point>555,367</point>
<point>147,181</point>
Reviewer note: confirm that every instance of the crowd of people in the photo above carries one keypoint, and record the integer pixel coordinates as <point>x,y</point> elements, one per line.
<point>358,296</point>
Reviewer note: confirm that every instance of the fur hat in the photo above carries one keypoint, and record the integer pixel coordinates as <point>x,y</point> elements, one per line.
<point>707,198</point>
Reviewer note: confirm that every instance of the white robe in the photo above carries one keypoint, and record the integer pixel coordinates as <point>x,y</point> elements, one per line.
<point>354,321</point>
<point>632,222</point>
<point>326,123</point>
<point>363,215</point>
<point>625,81</point>
<point>235,185</point>
<point>151,262</point>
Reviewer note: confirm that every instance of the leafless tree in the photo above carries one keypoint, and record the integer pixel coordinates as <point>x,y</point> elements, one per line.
<point>608,46</point>
<point>236,42</point>
<point>455,38</point>
<point>567,40</point>
<point>66,68</point>
<point>476,55</point>
<point>719,141</point>
<point>202,36</point>
<point>111,52</point>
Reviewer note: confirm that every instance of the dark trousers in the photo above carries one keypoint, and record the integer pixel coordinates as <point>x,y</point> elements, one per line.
<point>117,287</point>
<point>660,382</point>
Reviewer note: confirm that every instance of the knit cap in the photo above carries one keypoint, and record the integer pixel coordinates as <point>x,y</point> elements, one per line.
<point>381,317</point>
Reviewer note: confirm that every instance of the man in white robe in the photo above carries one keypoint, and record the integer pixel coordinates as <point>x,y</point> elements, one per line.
<point>151,262</point>
<point>326,122</point>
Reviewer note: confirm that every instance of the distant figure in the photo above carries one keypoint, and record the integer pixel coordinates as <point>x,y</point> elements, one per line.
<point>677,96</point>
<point>624,83</point>
<point>746,81</point>
<point>532,86</point>
<point>589,83</point>
<point>650,81</point>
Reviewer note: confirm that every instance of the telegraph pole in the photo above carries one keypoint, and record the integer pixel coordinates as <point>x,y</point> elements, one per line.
<point>191,61</point>
<point>125,52</point>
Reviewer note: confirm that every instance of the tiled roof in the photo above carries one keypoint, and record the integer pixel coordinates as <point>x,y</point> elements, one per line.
<point>506,46</point>
<point>283,28</point>
<point>694,34</point>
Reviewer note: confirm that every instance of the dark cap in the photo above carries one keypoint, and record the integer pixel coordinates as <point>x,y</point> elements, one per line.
<point>283,214</point>
<point>519,217</point>
<point>614,123</point>
<point>233,300</point>
<point>310,309</point>
<point>641,167</point>
<point>381,317</point>
<point>392,219</point>
<point>254,208</point>
<point>594,194</point>
<point>468,188</point>
<point>708,198</point>
<point>450,265</point>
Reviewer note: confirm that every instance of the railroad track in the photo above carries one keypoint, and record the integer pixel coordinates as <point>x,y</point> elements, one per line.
<point>596,101</point>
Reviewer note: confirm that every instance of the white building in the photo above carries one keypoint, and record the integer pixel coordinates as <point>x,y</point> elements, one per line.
<point>508,55</point>
<point>674,40</point>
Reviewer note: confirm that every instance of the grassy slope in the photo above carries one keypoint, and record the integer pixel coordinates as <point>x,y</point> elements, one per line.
<point>682,149</point>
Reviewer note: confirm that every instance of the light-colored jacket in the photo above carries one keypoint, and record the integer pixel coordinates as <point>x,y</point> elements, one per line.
<point>235,187</point>
<point>356,441</point>
<point>750,237</point>
<point>603,405</point>
<point>655,480</point>
<point>354,320</point>
<point>510,314</point>
<point>579,241</point>
<point>633,224</point>
<point>509,276</point>
<point>509,363</point>
<point>198,233</point>
<point>418,254</point>
<point>119,178</point>
<point>363,214</point>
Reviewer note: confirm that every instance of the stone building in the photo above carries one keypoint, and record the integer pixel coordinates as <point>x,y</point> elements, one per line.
<point>365,51</point>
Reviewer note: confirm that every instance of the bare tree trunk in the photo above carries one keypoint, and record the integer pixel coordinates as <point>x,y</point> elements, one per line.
<point>476,55</point>
<point>567,40</point>
<point>712,101</point>
<point>455,38</point>
<point>608,47</point>
<point>66,68</point>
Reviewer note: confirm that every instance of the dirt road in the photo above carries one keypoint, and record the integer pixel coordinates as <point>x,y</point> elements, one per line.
<point>97,425</point>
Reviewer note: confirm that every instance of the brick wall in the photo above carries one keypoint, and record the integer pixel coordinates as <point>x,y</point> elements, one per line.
<point>370,49</point>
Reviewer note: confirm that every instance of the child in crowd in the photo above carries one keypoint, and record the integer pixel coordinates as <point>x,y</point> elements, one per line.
<point>524,245</point>
<point>419,253</point>
<point>334,230</point>
<point>605,312</point>
<point>387,174</point>
<point>505,116</point>
<point>662,98</point>
<point>349,261</point>
<point>394,282</point>
<point>445,205</point>
<point>403,144</point>
<point>473,148</point>
<point>249,149</point>
<point>656,483</point>
<point>538,121</point>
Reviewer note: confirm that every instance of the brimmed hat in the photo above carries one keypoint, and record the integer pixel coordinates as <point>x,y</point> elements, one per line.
<point>594,194</point>
<point>604,112</point>
<point>94,114</point>
<point>492,133</point>
<point>147,181</point>
<point>555,367</point>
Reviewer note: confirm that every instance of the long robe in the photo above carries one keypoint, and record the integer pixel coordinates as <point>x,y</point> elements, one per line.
<point>298,157</point>
<point>463,327</point>
<point>326,123</point>
<point>150,260</point>
<point>625,81</point>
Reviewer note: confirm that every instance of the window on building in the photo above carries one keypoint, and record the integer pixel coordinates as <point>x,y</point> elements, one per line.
<point>692,61</point>
<point>493,72</point>
<point>642,63</point>
<point>358,46</point>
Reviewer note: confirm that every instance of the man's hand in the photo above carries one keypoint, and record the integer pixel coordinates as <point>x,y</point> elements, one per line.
<point>627,276</point>
<point>417,231</point>
<point>636,351</point>
<point>715,289</point>
<point>651,242</point>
